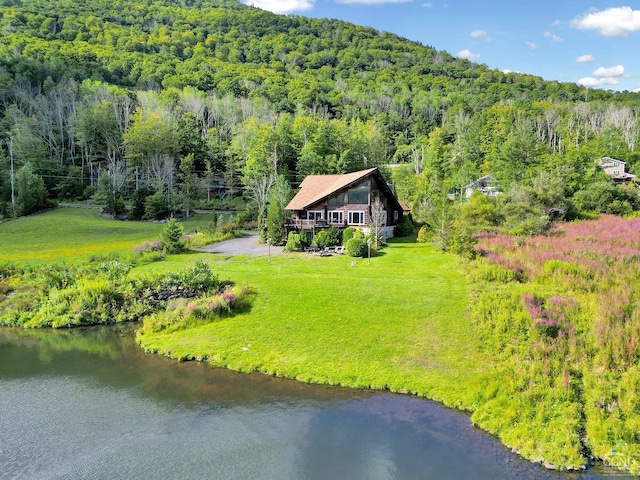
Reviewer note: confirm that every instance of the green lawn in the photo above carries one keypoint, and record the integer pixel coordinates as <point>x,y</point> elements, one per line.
<point>74,234</point>
<point>399,323</point>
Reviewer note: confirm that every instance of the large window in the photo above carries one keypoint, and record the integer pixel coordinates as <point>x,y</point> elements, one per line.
<point>358,196</point>
<point>356,218</point>
<point>337,201</point>
<point>336,217</point>
<point>315,215</point>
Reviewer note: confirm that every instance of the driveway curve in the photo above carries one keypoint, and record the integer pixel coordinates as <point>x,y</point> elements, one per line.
<point>247,245</point>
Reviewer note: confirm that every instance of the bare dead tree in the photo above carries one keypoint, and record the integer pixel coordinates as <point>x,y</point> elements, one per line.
<point>378,221</point>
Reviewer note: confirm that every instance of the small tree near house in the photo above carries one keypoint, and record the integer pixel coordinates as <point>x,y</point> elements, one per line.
<point>378,221</point>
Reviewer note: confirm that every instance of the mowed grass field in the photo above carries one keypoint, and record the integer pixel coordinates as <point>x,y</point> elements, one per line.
<point>74,234</point>
<point>399,323</point>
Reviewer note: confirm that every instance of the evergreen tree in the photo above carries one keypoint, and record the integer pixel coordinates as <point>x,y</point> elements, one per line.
<point>275,222</point>
<point>171,237</point>
<point>31,192</point>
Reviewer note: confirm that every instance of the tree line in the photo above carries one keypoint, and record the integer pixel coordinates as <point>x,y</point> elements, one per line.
<point>163,104</point>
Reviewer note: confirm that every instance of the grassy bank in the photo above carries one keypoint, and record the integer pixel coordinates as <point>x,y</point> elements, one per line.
<point>398,323</point>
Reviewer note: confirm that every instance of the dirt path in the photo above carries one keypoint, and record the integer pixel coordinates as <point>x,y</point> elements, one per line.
<point>247,245</point>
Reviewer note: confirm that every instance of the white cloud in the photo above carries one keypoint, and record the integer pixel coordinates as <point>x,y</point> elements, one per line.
<point>481,34</point>
<point>613,22</point>
<point>611,72</point>
<point>372,2</point>
<point>597,82</point>
<point>585,58</point>
<point>636,90</point>
<point>553,37</point>
<point>468,55</point>
<point>533,45</point>
<point>556,23</point>
<point>281,6</point>
<point>427,5</point>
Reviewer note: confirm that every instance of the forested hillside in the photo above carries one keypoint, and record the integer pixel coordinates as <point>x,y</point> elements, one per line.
<point>153,102</point>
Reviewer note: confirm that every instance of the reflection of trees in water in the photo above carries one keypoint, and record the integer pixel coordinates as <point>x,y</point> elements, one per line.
<point>109,355</point>
<point>104,342</point>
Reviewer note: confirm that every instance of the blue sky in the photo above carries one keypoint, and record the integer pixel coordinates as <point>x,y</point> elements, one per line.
<point>594,43</point>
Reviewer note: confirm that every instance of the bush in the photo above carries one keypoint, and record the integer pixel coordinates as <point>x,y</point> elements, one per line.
<point>294,243</point>
<point>348,234</point>
<point>327,238</point>
<point>357,247</point>
<point>156,207</point>
<point>423,235</point>
<point>405,227</point>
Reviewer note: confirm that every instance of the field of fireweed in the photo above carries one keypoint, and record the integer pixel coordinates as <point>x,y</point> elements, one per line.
<point>561,312</point>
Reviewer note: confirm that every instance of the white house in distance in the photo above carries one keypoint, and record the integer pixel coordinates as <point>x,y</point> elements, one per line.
<point>616,170</point>
<point>485,185</point>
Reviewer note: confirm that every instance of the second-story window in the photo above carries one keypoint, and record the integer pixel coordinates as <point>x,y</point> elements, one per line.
<point>336,217</point>
<point>356,218</point>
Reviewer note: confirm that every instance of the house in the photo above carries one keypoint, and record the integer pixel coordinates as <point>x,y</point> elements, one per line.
<point>342,201</point>
<point>485,185</point>
<point>616,170</point>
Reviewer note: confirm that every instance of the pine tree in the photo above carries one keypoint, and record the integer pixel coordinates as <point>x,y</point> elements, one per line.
<point>171,237</point>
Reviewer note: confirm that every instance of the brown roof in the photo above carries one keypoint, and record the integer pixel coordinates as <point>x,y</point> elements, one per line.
<point>316,187</point>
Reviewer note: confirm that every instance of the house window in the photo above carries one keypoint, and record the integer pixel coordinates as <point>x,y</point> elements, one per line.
<point>336,216</point>
<point>395,216</point>
<point>337,201</point>
<point>315,215</point>
<point>616,172</point>
<point>359,195</point>
<point>616,164</point>
<point>356,218</point>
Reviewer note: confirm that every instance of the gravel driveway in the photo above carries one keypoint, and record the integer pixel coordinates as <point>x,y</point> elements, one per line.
<point>247,245</point>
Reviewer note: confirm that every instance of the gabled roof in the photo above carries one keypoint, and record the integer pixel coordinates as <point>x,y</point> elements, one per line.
<point>606,160</point>
<point>315,188</point>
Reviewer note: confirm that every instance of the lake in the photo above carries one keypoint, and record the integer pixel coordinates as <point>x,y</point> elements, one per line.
<point>89,404</point>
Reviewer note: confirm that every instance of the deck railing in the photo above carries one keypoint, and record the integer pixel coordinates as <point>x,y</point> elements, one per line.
<point>309,224</point>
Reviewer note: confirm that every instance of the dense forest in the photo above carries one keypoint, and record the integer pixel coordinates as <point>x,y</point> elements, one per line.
<point>167,104</point>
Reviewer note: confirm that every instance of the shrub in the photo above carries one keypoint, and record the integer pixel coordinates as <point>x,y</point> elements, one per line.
<point>357,247</point>
<point>327,238</point>
<point>347,234</point>
<point>423,235</point>
<point>405,227</point>
<point>294,243</point>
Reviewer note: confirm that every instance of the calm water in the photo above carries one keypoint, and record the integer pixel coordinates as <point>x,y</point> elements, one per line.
<point>88,404</point>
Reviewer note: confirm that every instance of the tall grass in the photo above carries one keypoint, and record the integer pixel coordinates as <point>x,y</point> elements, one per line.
<point>567,333</point>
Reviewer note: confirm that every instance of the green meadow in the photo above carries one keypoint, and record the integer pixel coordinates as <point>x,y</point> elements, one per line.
<point>74,234</point>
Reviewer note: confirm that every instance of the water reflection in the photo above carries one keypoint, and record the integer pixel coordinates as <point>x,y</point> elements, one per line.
<point>89,404</point>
